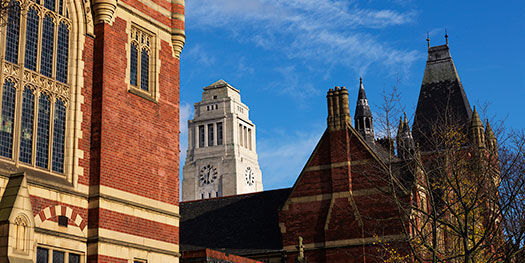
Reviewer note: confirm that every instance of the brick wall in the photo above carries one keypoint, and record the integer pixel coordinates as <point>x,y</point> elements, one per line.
<point>335,205</point>
<point>134,147</point>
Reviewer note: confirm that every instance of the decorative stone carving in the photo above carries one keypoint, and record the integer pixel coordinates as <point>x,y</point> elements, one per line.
<point>104,10</point>
<point>178,38</point>
<point>88,16</point>
<point>11,70</point>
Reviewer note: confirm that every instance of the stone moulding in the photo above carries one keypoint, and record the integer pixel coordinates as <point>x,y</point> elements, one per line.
<point>104,10</point>
<point>178,38</point>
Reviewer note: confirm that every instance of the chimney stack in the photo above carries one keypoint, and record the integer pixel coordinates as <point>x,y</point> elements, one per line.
<point>338,108</point>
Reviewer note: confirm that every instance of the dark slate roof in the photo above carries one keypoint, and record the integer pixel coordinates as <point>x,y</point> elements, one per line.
<point>442,99</point>
<point>241,224</point>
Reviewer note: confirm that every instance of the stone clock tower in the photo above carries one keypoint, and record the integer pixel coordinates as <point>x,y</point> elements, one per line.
<point>221,159</point>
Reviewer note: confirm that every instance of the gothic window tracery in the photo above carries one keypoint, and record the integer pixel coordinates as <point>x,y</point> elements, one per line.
<point>35,86</point>
<point>141,61</point>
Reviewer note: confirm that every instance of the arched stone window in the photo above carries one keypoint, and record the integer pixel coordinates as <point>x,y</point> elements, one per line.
<point>36,84</point>
<point>142,61</point>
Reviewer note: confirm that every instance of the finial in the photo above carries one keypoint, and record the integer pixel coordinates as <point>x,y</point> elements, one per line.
<point>428,40</point>
<point>360,80</point>
<point>446,36</point>
<point>300,249</point>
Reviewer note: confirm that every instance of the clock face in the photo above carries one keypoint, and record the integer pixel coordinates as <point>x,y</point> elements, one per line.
<point>208,174</point>
<point>250,179</point>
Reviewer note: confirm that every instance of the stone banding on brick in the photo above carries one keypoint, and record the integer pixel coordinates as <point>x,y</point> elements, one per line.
<point>59,210</point>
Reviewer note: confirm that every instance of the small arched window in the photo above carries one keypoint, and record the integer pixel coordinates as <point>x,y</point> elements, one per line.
<point>35,86</point>
<point>141,61</point>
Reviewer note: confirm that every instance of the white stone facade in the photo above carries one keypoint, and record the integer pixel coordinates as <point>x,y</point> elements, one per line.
<point>221,159</point>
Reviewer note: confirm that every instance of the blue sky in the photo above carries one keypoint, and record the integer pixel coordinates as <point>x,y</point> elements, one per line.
<point>284,55</point>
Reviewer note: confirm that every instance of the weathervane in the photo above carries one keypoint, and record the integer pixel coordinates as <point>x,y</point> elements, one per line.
<point>446,36</point>
<point>428,40</point>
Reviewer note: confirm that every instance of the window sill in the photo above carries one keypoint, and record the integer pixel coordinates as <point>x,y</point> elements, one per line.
<point>142,94</point>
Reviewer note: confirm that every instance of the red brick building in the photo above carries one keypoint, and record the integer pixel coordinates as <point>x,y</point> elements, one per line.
<point>341,207</point>
<point>89,155</point>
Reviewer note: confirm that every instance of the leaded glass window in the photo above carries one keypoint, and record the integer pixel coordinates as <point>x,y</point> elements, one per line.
<point>141,60</point>
<point>26,129</point>
<point>74,258</point>
<point>46,58</point>
<point>31,38</point>
<point>49,4</point>
<point>61,6</point>
<point>33,126</point>
<point>42,255</point>
<point>62,52</point>
<point>7,118</point>
<point>12,33</point>
<point>58,256</point>
<point>144,70</point>
<point>42,142</point>
<point>134,65</point>
<point>59,130</point>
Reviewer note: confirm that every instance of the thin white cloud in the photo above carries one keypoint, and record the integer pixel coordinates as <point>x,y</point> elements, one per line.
<point>292,84</point>
<point>329,31</point>
<point>200,55</point>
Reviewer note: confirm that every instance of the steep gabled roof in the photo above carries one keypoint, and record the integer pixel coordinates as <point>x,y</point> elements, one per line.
<point>241,224</point>
<point>442,99</point>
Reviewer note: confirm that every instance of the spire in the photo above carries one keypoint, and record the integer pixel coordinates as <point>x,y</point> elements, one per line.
<point>490,139</point>
<point>363,119</point>
<point>446,37</point>
<point>362,93</point>
<point>338,108</point>
<point>476,129</point>
<point>489,134</point>
<point>442,100</point>
<point>400,127</point>
<point>405,141</point>
<point>475,121</point>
